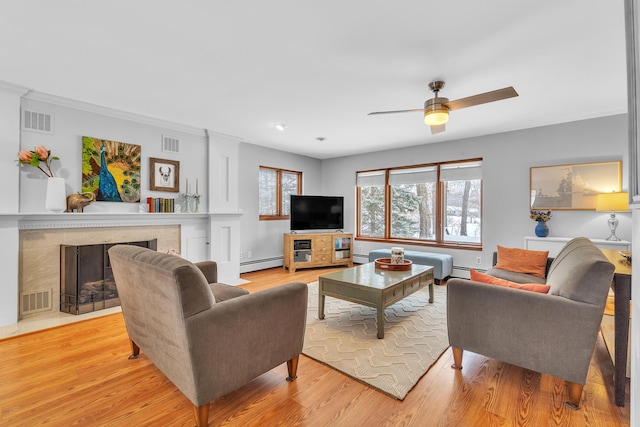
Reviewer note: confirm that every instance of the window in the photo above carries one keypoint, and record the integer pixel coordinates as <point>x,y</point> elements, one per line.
<point>371,203</point>
<point>275,186</point>
<point>461,193</point>
<point>436,204</point>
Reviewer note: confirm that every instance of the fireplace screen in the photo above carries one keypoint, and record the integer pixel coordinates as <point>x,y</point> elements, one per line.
<point>86,279</point>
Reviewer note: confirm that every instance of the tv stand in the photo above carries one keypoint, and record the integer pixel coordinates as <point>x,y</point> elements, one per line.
<point>313,250</point>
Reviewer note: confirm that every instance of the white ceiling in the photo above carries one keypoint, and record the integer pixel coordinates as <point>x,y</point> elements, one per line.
<point>238,67</point>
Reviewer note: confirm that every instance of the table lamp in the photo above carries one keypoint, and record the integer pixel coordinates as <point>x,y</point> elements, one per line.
<point>612,202</point>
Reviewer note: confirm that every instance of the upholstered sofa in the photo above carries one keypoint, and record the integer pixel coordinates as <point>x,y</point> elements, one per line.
<point>552,333</point>
<point>207,338</point>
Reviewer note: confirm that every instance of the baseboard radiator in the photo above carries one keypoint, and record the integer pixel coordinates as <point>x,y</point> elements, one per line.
<point>260,264</point>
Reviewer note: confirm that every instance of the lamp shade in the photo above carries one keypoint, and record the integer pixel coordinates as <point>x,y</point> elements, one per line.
<point>435,111</point>
<point>612,202</point>
<point>434,118</point>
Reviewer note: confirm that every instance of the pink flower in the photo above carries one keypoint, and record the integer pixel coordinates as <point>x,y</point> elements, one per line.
<point>35,158</point>
<point>42,152</point>
<point>24,156</point>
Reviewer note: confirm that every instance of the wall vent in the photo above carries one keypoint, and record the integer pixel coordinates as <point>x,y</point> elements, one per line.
<point>35,121</point>
<point>33,302</point>
<point>170,144</point>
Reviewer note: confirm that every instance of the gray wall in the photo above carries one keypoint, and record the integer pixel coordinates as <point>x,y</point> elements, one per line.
<point>264,239</point>
<point>507,158</point>
<point>71,124</point>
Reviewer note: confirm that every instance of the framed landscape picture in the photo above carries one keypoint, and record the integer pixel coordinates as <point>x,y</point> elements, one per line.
<point>573,186</point>
<point>164,175</point>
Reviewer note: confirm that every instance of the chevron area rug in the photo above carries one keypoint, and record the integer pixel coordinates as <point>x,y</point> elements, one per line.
<point>415,335</point>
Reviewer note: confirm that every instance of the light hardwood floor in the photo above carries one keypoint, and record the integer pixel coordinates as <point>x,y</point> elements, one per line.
<point>79,374</point>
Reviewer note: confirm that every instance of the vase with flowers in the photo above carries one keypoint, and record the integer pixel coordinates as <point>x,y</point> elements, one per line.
<point>40,157</point>
<point>542,230</point>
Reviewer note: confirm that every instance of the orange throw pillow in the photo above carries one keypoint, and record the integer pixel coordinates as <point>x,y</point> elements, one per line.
<point>522,261</point>
<point>476,276</point>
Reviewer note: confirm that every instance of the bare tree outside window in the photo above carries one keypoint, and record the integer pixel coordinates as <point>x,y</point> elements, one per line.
<point>437,203</point>
<point>372,211</point>
<point>275,187</point>
<point>267,192</point>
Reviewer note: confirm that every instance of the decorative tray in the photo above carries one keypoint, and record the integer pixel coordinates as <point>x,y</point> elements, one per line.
<point>385,264</point>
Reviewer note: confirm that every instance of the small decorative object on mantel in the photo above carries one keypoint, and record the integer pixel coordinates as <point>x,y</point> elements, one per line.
<point>542,230</point>
<point>39,155</point>
<point>55,200</point>
<point>191,200</point>
<point>195,208</point>
<point>78,201</point>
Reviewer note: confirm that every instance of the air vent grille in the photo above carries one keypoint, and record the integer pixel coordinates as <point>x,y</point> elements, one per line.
<point>36,301</point>
<point>35,121</point>
<point>170,144</point>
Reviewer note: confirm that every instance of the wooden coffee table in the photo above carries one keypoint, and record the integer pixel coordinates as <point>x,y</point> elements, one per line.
<point>367,285</point>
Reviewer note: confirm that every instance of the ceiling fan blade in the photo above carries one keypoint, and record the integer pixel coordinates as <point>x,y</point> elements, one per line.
<point>397,111</point>
<point>437,129</point>
<point>483,98</point>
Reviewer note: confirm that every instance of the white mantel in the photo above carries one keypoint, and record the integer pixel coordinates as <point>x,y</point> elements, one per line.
<point>34,221</point>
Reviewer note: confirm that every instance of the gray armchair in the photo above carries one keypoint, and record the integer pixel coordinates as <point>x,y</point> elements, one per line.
<point>207,338</point>
<point>552,333</point>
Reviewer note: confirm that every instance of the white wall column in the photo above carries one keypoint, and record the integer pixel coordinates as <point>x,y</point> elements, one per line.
<point>225,247</point>
<point>223,173</point>
<point>223,206</point>
<point>9,146</point>
<point>9,250</point>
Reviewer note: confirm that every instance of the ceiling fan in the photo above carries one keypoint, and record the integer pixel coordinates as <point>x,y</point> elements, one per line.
<point>436,110</point>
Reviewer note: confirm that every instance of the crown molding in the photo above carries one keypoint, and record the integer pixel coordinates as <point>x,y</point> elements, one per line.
<point>212,133</point>
<point>10,87</point>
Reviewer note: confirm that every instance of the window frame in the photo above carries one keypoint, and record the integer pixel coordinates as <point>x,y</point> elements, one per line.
<point>279,172</point>
<point>439,210</point>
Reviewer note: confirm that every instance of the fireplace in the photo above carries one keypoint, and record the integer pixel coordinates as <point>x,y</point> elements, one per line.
<point>86,279</point>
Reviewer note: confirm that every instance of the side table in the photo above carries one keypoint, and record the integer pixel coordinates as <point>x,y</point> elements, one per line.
<point>621,286</point>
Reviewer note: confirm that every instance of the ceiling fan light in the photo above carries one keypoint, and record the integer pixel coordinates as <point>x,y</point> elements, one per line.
<point>436,117</point>
<point>435,111</point>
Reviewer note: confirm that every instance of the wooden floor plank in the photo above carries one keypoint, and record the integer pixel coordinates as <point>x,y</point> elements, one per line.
<point>79,374</point>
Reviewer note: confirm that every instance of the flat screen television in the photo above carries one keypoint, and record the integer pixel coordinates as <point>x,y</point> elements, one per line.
<point>316,212</point>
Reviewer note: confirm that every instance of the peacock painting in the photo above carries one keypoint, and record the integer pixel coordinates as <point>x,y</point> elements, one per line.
<point>111,170</point>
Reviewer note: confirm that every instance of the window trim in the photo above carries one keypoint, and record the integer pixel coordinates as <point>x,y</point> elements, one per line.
<point>279,171</point>
<point>439,209</point>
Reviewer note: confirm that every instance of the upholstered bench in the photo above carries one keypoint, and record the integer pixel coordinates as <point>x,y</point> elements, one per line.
<point>442,264</point>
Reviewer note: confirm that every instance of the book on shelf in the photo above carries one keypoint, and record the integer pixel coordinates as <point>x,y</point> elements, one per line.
<point>343,243</point>
<point>161,204</point>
